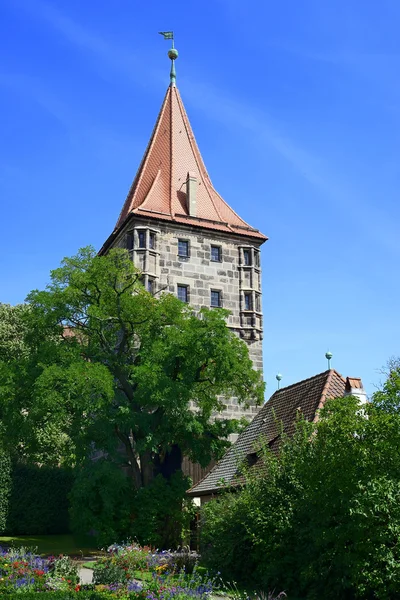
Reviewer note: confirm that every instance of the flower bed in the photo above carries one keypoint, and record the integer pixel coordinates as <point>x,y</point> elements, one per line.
<point>23,571</point>
<point>56,578</point>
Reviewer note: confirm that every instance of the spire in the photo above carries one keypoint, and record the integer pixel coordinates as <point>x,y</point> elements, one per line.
<point>173,55</point>
<point>172,182</point>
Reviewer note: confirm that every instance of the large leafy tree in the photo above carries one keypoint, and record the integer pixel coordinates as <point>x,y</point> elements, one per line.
<point>117,375</point>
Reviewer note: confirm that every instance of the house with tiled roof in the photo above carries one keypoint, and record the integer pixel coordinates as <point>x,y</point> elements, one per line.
<point>276,416</point>
<point>185,238</point>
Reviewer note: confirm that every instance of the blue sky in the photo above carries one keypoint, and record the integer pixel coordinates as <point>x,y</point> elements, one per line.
<point>296,109</point>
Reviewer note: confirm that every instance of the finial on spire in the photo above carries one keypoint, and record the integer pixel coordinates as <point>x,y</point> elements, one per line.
<point>278,377</point>
<point>328,356</point>
<point>172,53</point>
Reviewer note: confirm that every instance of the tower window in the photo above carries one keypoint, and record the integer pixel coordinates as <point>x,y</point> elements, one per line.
<point>216,300</point>
<point>129,240</point>
<point>142,238</point>
<point>257,258</point>
<point>247,256</point>
<point>248,301</point>
<point>150,285</point>
<point>216,253</point>
<point>152,240</point>
<point>183,293</point>
<point>183,248</point>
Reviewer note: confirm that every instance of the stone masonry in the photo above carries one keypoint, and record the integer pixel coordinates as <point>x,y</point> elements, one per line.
<point>163,269</point>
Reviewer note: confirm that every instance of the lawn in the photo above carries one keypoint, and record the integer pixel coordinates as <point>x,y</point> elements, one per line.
<point>46,545</point>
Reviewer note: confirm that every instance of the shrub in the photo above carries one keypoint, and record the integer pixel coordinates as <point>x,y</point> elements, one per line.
<point>324,521</point>
<point>101,502</point>
<point>162,512</point>
<point>38,503</point>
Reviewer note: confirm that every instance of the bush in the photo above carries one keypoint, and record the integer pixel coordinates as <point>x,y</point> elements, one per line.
<point>225,543</point>
<point>101,502</point>
<point>162,512</point>
<point>325,520</point>
<point>38,504</point>
<point>5,489</point>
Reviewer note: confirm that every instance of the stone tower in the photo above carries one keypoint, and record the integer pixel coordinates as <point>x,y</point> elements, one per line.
<point>185,238</point>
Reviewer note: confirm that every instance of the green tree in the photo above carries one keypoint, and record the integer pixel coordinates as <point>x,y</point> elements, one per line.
<point>130,378</point>
<point>324,519</point>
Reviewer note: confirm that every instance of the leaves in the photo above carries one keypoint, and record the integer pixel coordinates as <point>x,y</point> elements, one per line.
<point>324,520</point>
<point>104,365</point>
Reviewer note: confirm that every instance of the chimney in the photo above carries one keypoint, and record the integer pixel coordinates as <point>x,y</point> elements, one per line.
<point>354,387</point>
<point>191,193</point>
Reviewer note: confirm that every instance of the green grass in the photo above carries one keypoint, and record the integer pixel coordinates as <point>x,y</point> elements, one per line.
<point>54,544</point>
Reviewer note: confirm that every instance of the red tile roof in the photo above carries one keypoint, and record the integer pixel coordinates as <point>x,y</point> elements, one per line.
<point>281,409</point>
<point>159,188</point>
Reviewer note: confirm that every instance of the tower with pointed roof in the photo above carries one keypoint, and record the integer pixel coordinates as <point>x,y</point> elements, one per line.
<point>184,237</point>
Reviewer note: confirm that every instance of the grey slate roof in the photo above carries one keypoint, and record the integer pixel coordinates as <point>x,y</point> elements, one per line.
<point>307,396</point>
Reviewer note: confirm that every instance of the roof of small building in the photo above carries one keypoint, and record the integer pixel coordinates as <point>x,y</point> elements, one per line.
<point>278,414</point>
<point>159,188</point>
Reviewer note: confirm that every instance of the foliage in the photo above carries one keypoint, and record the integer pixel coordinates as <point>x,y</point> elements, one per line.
<point>161,511</point>
<point>38,503</point>
<point>101,501</point>
<point>12,332</point>
<point>134,378</point>
<point>325,519</point>
<point>22,571</point>
<point>5,488</point>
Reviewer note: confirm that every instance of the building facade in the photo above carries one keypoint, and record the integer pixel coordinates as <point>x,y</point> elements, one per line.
<point>186,239</point>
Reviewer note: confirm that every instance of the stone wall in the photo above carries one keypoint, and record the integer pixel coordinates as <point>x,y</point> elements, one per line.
<point>154,245</point>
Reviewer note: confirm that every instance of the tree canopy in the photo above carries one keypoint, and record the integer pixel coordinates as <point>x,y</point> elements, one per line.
<point>101,369</point>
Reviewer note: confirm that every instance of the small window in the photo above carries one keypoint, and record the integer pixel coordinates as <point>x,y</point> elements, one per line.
<point>142,238</point>
<point>152,240</point>
<point>247,256</point>
<point>257,258</point>
<point>150,285</point>
<point>216,253</point>
<point>183,248</point>
<point>215,298</point>
<point>183,293</point>
<point>248,301</point>
<point>129,240</point>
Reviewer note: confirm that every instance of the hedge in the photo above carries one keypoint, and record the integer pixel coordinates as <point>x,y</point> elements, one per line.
<point>38,502</point>
<point>5,488</point>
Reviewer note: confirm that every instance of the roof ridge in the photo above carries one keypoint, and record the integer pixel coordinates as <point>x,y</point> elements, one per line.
<point>298,383</point>
<point>305,380</point>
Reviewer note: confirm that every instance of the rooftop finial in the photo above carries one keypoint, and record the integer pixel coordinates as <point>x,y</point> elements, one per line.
<point>278,377</point>
<point>328,356</point>
<point>172,53</point>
